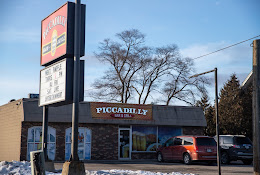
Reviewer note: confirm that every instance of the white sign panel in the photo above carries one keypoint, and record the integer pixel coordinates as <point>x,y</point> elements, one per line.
<point>53,84</point>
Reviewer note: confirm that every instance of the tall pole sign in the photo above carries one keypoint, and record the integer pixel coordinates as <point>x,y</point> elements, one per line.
<point>62,80</point>
<point>256,107</point>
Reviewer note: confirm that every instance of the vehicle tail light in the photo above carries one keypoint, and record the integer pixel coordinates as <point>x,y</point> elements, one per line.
<point>196,149</point>
<point>236,146</point>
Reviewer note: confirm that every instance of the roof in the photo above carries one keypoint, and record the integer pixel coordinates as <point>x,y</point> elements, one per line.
<point>162,115</point>
<point>247,81</point>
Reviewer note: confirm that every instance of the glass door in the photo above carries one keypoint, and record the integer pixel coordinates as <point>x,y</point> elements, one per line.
<point>124,142</point>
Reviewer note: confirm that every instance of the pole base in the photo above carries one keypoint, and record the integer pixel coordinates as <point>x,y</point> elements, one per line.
<point>73,168</point>
<point>49,166</point>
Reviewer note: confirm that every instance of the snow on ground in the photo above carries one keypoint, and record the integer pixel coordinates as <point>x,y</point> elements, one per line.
<point>24,168</point>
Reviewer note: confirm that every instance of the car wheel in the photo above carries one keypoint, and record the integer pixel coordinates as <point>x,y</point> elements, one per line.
<point>225,158</point>
<point>186,159</point>
<point>160,157</point>
<point>247,162</point>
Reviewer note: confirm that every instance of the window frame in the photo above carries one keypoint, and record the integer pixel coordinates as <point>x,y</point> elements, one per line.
<point>177,141</point>
<point>34,142</point>
<point>171,140</point>
<point>84,141</point>
<point>186,140</point>
<point>157,136</point>
<point>225,138</point>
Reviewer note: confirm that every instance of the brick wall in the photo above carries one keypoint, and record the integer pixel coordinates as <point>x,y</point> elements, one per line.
<point>10,130</point>
<point>104,142</point>
<point>104,145</point>
<point>60,138</point>
<point>143,156</point>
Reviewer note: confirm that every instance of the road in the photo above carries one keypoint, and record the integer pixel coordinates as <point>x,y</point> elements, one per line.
<point>236,168</point>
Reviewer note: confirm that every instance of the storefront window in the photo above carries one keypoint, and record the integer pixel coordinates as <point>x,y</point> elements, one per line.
<point>34,141</point>
<point>84,143</point>
<point>144,138</point>
<point>164,133</point>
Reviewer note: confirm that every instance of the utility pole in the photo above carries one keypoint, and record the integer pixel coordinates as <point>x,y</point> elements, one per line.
<point>256,103</point>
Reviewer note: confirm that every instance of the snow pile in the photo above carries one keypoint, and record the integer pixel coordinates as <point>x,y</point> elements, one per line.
<point>24,168</point>
<point>15,167</point>
<point>130,172</point>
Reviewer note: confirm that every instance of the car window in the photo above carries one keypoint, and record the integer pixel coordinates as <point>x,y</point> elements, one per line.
<point>206,142</point>
<point>220,140</point>
<point>188,141</point>
<point>177,141</point>
<point>242,140</point>
<point>169,142</point>
<point>228,140</point>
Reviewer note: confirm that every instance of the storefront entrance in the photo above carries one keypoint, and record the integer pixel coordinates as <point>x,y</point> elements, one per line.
<point>124,142</point>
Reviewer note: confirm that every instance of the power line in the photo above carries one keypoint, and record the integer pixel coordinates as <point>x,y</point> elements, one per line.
<point>225,48</point>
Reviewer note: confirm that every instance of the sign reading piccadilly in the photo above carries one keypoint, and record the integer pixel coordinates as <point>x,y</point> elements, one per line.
<point>121,111</point>
<point>54,35</point>
<point>57,34</point>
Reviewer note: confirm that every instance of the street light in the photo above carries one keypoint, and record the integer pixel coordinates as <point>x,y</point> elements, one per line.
<point>216,108</point>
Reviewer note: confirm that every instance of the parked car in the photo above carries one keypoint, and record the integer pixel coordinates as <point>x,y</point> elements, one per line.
<point>235,147</point>
<point>188,149</point>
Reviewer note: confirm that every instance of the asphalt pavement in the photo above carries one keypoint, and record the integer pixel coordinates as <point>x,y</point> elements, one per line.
<point>237,167</point>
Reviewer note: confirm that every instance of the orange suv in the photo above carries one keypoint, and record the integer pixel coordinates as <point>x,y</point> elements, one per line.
<point>188,149</point>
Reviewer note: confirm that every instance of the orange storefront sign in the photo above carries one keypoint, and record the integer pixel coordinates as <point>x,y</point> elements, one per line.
<point>121,111</point>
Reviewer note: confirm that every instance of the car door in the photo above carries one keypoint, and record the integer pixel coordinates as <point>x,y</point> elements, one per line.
<point>243,145</point>
<point>167,149</point>
<point>177,149</point>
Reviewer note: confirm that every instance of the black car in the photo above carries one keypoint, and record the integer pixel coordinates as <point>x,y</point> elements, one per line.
<point>236,147</point>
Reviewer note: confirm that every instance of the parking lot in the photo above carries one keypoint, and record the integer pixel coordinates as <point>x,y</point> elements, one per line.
<point>237,167</point>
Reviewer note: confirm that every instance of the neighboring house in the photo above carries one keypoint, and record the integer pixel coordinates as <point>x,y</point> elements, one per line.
<point>248,81</point>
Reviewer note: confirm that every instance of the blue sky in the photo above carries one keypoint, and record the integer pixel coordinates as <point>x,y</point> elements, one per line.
<point>197,27</point>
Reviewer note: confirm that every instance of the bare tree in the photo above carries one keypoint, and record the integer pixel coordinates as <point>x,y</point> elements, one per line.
<point>126,58</point>
<point>155,68</point>
<point>181,87</point>
<point>137,70</point>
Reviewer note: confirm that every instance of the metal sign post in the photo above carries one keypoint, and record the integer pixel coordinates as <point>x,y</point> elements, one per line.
<point>45,131</point>
<point>75,166</point>
<point>75,105</point>
<point>217,119</point>
<point>48,164</point>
